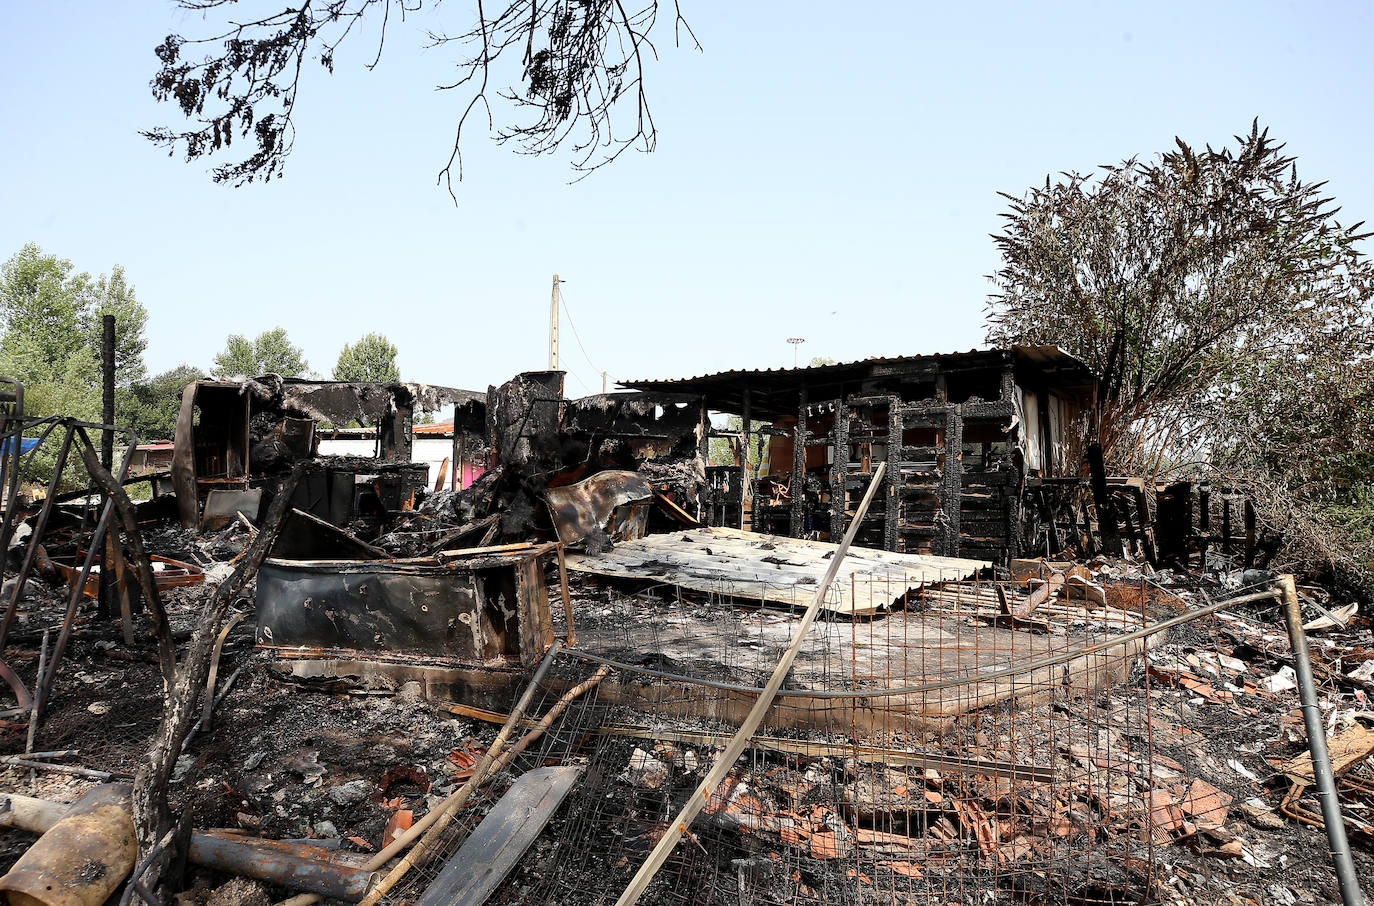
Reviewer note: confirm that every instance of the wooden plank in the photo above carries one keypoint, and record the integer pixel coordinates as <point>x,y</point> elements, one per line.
<point>567,599</point>
<point>494,847</point>
<point>675,511</point>
<point>495,549</point>
<point>1348,748</point>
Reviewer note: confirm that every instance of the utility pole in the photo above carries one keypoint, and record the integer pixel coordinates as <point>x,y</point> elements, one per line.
<point>603,383</point>
<point>795,341</point>
<point>553,326</point>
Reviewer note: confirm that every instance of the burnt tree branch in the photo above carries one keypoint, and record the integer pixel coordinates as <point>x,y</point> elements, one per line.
<point>152,814</point>
<point>575,66</point>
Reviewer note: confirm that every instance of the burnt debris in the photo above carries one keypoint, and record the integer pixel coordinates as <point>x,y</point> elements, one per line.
<point>337,651</point>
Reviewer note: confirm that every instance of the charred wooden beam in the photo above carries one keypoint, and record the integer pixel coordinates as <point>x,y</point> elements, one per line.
<point>107,591</point>
<point>703,453</point>
<point>952,486</point>
<point>839,468</point>
<point>746,424</point>
<point>143,568</point>
<point>892,480</point>
<point>152,814</point>
<point>1174,505</point>
<point>1102,498</point>
<point>1006,390</point>
<point>1226,526</point>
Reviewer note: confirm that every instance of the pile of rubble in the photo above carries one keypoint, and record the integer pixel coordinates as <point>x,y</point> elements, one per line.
<point>337,681</point>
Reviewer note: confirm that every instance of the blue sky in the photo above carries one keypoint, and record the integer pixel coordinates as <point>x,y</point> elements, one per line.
<point>827,171</point>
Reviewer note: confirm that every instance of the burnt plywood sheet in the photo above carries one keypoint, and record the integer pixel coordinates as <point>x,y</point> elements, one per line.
<point>775,570</point>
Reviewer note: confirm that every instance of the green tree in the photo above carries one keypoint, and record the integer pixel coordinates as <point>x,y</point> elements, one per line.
<point>114,295</point>
<point>154,403</point>
<point>50,338</point>
<point>42,303</point>
<point>1228,317</point>
<point>51,321</point>
<point>270,352</point>
<point>372,358</point>
<point>724,451</point>
<point>1174,277</point>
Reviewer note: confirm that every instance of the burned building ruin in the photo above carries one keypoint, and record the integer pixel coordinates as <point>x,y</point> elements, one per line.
<point>961,433</point>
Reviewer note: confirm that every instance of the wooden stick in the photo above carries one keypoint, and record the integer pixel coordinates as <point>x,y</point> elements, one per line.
<point>496,549</point>
<point>740,741</point>
<point>469,528</point>
<point>59,768</point>
<point>114,562</point>
<point>37,705</point>
<point>567,599</point>
<point>152,815</point>
<point>252,529</point>
<point>208,708</point>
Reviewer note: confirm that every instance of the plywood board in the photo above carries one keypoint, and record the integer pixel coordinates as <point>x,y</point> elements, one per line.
<point>774,570</point>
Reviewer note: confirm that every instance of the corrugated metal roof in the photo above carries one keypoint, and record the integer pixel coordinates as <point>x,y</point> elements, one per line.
<point>1039,354</point>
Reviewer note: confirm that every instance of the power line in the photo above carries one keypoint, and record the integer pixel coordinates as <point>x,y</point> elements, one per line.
<point>563,297</point>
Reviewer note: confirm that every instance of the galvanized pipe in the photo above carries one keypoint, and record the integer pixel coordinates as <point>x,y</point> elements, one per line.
<point>1316,744</point>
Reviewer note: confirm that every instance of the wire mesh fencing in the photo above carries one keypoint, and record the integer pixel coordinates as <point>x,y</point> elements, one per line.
<point>954,743</point>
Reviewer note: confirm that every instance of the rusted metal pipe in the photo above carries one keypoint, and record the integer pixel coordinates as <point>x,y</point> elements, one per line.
<point>299,866</point>
<point>1316,744</point>
<point>82,858</point>
<point>29,814</point>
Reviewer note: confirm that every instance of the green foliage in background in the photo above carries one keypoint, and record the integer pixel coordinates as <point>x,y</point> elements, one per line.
<point>270,352</point>
<point>50,341</point>
<point>372,358</point>
<point>154,403</point>
<point>1229,318</point>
